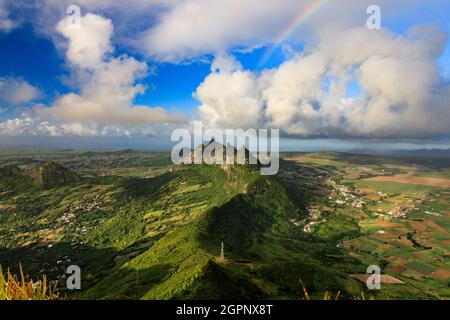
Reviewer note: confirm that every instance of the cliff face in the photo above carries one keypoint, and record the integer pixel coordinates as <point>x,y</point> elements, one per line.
<point>52,173</point>
<point>208,154</point>
<point>49,174</point>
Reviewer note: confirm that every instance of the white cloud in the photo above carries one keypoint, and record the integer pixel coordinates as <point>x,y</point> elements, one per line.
<point>402,95</point>
<point>230,95</point>
<point>107,92</point>
<point>17,91</point>
<point>107,98</point>
<point>6,23</point>
<point>195,27</point>
<point>107,87</point>
<point>108,84</point>
<point>24,126</point>
<point>126,15</point>
<point>89,41</point>
<point>177,30</point>
<point>191,28</point>
<point>32,126</point>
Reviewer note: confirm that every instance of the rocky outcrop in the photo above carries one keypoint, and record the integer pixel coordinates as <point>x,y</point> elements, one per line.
<point>52,173</point>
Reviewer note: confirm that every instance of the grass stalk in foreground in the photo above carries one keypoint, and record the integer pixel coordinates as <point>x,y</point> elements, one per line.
<point>13,287</point>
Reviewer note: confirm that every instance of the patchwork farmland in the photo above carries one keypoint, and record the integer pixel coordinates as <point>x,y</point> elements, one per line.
<point>403,212</point>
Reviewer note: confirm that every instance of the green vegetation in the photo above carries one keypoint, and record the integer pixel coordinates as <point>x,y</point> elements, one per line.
<point>140,228</point>
<point>394,187</point>
<point>13,288</point>
<point>336,228</point>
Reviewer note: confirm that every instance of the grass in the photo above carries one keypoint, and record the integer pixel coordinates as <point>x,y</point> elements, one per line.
<point>336,228</point>
<point>443,173</point>
<point>393,187</point>
<point>329,296</point>
<point>20,287</point>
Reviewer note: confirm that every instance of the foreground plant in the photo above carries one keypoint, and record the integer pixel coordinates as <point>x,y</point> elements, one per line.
<point>14,288</point>
<point>327,295</point>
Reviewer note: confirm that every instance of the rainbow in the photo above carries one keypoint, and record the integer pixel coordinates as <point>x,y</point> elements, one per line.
<point>305,14</point>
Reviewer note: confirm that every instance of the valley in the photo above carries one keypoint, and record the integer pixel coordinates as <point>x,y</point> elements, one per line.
<point>142,228</point>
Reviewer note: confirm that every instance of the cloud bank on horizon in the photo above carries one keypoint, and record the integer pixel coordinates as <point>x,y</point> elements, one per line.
<point>401,90</point>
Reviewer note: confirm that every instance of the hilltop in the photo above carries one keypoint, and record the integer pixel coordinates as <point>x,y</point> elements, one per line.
<point>206,153</point>
<point>51,174</point>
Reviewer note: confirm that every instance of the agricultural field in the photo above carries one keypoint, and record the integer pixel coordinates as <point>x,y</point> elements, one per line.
<point>403,212</point>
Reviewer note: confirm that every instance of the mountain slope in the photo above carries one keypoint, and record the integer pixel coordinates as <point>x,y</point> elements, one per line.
<point>250,214</point>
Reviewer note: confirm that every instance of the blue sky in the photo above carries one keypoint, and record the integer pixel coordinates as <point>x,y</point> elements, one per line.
<point>18,55</point>
<point>170,86</point>
<point>36,54</point>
